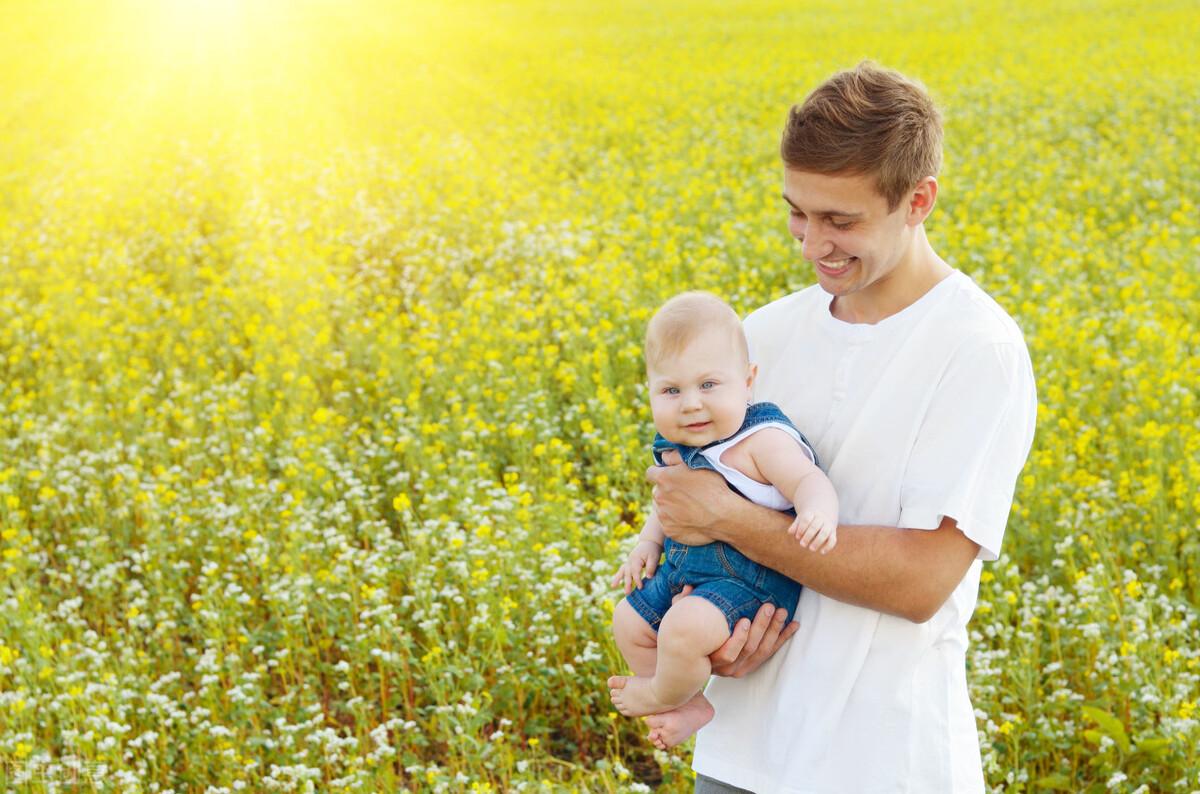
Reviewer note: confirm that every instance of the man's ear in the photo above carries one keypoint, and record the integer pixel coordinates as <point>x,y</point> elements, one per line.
<point>921,201</point>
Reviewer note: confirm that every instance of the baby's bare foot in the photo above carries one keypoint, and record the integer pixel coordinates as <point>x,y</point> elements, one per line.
<point>633,696</point>
<point>674,727</point>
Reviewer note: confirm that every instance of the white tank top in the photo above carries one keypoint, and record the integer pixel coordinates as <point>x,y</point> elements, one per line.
<point>757,492</point>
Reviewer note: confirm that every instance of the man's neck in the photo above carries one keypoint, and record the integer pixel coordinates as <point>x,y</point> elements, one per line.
<point>921,271</point>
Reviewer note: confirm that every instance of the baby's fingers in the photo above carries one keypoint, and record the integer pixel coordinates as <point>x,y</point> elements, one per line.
<point>796,530</point>
<point>651,567</point>
<point>811,528</point>
<point>625,578</point>
<point>827,539</point>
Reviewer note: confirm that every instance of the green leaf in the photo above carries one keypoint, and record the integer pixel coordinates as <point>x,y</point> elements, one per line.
<point>1155,747</point>
<point>1055,782</point>
<point>1109,724</point>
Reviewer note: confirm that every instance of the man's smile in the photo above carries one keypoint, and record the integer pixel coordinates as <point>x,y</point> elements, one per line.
<point>835,267</point>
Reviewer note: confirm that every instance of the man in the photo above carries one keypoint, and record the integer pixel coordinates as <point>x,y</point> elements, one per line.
<point>917,391</point>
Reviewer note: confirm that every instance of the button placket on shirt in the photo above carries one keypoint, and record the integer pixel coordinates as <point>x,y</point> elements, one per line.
<point>845,369</point>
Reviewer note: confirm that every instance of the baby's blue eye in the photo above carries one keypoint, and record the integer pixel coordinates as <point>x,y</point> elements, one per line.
<point>671,390</point>
<point>708,384</point>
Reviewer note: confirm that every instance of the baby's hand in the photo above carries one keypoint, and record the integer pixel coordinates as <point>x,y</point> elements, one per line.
<point>644,555</point>
<point>815,531</point>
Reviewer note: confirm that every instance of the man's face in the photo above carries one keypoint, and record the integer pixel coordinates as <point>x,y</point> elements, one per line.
<point>854,243</point>
<point>699,395</point>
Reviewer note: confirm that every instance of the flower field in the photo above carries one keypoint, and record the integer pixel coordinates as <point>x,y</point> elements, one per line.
<point>322,424</point>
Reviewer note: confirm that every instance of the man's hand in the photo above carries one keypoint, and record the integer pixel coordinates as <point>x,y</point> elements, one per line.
<point>751,643</point>
<point>645,556</point>
<point>688,502</point>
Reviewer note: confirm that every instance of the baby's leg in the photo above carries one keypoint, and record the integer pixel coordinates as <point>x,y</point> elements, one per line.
<point>635,639</point>
<point>692,629</point>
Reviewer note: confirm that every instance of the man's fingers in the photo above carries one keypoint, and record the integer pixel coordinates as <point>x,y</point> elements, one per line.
<point>767,643</point>
<point>762,622</point>
<point>786,634</point>
<point>737,658</point>
<point>672,457</point>
<point>728,653</point>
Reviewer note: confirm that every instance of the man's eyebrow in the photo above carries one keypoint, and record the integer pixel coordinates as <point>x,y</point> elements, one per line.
<point>824,213</point>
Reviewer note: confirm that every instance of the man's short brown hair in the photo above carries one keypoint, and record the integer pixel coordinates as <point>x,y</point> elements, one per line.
<point>867,120</point>
<point>681,319</point>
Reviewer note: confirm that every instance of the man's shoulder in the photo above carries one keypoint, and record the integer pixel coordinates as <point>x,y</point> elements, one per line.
<point>976,316</point>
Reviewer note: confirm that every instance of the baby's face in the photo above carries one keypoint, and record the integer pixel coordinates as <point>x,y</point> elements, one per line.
<point>700,395</point>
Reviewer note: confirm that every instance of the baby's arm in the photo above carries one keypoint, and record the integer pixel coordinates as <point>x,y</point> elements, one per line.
<point>783,463</point>
<point>644,555</point>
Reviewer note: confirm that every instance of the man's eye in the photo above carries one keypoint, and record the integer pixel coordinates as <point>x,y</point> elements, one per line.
<point>841,227</point>
<point>797,214</point>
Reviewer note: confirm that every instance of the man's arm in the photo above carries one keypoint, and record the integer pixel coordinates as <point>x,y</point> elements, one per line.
<point>903,572</point>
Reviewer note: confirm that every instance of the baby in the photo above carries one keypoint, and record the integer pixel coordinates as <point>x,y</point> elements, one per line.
<point>700,378</point>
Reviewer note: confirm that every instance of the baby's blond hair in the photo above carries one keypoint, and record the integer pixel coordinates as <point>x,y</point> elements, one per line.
<point>684,316</point>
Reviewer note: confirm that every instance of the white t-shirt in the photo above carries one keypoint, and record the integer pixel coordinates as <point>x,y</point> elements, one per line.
<point>928,413</point>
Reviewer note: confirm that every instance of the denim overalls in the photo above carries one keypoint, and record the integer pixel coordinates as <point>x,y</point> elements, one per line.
<point>721,574</point>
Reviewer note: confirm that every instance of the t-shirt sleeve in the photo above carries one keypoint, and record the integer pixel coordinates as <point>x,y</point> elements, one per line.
<point>972,445</point>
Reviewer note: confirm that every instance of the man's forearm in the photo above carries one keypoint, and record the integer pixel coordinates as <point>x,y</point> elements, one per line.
<point>902,572</point>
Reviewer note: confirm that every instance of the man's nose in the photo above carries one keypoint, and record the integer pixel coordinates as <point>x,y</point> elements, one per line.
<point>813,246</point>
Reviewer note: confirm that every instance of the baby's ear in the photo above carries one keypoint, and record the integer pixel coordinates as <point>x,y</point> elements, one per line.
<point>751,374</point>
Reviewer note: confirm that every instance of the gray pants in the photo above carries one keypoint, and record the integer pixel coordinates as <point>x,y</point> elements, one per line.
<point>706,785</point>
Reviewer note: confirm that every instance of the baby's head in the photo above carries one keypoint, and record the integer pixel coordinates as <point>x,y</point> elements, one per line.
<point>699,369</point>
